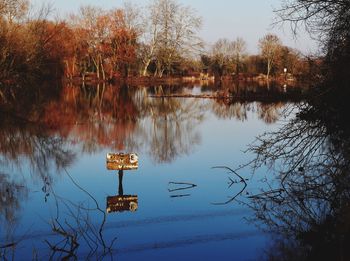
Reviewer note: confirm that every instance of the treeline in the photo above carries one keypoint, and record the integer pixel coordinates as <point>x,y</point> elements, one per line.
<point>158,40</point>
<point>231,58</point>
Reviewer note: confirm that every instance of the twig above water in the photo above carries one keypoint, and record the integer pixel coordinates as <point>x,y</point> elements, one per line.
<point>242,180</point>
<point>234,172</point>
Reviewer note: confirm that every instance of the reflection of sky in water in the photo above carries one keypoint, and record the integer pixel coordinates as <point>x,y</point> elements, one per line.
<point>164,226</point>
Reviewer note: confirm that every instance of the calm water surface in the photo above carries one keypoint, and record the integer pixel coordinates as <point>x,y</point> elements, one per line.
<point>54,182</point>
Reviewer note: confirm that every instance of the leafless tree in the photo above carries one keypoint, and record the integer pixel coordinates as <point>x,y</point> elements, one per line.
<point>227,54</point>
<point>150,37</point>
<point>171,31</point>
<point>13,10</point>
<point>270,46</point>
<point>318,16</point>
<point>92,32</point>
<point>239,47</point>
<point>222,53</point>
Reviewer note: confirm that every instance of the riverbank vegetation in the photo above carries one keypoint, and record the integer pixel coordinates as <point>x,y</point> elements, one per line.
<point>329,21</point>
<point>158,41</point>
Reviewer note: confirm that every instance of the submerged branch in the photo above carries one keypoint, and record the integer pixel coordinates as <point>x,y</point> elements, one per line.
<point>184,184</point>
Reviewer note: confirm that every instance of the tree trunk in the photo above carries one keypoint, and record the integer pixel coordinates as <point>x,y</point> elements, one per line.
<point>73,66</point>
<point>268,69</point>
<point>144,71</point>
<point>102,69</point>
<point>97,66</point>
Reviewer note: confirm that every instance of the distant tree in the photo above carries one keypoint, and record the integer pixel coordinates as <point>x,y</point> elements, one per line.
<point>54,46</point>
<point>222,53</point>
<point>13,39</point>
<point>122,41</point>
<point>171,32</point>
<point>12,10</point>
<point>33,48</point>
<point>255,64</point>
<point>270,46</point>
<point>91,28</point>
<point>133,28</point>
<point>290,59</point>
<point>150,37</point>
<point>106,40</point>
<point>206,62</point>
<point>239,48</point>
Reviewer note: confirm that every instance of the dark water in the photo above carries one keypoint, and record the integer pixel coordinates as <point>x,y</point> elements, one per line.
<point>54,183</point>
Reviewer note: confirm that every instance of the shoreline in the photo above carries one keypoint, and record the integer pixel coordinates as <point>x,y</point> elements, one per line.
<point>176,80</point>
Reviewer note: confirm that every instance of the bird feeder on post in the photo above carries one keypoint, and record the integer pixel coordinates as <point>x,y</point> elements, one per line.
<point>121,162</point>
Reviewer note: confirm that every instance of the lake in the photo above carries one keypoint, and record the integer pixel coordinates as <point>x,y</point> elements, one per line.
<point>188,205</point>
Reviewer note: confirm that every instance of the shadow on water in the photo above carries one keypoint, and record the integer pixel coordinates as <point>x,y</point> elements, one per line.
<point>306,203</point>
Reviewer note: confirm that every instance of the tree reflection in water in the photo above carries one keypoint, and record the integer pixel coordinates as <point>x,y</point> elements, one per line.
<point>228,110</point>
<point>269,103</point>
<point>12,194</point>
<point>79,234</point>
<point>268,112</point>
<point>308,203</point>
<point>90,119</point>
<point>271,112</point>
<point>95,116</point>
<point>24,145</point>
<point>173,129</point>
<point>77,229</point>
<point>125,118</point>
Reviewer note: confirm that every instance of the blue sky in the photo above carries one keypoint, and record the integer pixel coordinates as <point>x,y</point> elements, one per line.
<point>249,19</point>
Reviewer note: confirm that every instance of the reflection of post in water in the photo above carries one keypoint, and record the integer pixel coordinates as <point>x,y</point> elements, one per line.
<point>120,189</point>
<point>122,202</point>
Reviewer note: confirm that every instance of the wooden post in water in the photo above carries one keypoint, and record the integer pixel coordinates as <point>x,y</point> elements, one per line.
<point>121,162</point>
